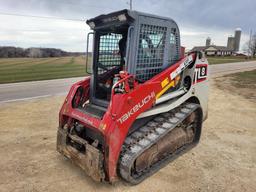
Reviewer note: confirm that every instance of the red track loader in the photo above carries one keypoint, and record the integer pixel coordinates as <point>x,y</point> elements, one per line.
<point>142,106</point>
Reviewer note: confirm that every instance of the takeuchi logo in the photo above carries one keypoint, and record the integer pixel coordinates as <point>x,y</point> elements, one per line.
<point>136,107</point>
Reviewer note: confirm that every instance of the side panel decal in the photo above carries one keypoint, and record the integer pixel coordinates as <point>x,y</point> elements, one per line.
<point>201,71</point>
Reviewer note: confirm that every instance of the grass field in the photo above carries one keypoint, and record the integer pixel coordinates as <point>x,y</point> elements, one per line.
<point>242,83</point>
<point>227,59</point>
<point>245,79</point>
<point>30,69</point>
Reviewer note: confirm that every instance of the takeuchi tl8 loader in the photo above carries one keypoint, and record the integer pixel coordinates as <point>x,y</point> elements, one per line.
<point>142,106</point>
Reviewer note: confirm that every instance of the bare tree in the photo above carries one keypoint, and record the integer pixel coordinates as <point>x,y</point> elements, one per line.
<point>35,52</point>
<point>250,46</point>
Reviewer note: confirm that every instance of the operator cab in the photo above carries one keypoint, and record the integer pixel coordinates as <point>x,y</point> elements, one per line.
<point>139,43</point>
<point>110,60</point>
<point>109,53</point>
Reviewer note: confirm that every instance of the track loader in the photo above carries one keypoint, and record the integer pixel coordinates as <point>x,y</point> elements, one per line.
<point>143,104</point>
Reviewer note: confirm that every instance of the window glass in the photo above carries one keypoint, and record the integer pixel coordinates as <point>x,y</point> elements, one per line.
<point>172,39</point>
<point>173,53</point>
<point>150,55</point>
<point>108,52</point>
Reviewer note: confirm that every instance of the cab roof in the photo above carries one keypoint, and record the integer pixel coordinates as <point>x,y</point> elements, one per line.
<point>124,16</point>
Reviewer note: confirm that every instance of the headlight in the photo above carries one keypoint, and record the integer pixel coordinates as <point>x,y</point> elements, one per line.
<point>122,17</point>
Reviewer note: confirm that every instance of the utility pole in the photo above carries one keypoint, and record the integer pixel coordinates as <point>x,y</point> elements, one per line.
<point>130,4</point>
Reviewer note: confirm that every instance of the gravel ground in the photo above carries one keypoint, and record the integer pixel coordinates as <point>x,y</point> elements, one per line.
<point>224,160</point>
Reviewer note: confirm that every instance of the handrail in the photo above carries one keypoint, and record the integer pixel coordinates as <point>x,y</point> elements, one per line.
<point>113,91</point>
<point>87,47</point>
<point>119,82</point>
<point>128,46</point>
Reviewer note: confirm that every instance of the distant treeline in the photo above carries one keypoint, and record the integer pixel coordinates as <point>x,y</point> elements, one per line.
<point>12,52</point>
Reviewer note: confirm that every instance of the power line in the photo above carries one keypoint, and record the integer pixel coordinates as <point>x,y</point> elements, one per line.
<point>83,4</point>
<point>42,17</point>
<point>60,18</point>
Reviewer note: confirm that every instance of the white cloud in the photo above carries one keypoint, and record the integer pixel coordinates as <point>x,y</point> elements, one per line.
<point>34,32</point>
<point>196,36</point>
<point>193,33</point>
<point>197,20</point>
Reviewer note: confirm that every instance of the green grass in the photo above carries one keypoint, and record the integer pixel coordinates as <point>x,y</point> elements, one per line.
<point>227,59</point>
<point>242,84</point>
<point>31,69</point>
<point>245,79</point>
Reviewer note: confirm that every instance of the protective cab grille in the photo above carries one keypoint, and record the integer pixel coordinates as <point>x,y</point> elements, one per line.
<point>109,55</point>
<point>151,48</point>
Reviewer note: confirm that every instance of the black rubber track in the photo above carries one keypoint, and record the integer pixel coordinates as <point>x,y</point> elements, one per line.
<point>146,136</point>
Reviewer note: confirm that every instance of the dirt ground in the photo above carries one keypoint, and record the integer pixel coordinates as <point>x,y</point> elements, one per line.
<point>224,160</point>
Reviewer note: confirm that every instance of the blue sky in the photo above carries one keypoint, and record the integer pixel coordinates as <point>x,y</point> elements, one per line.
<point>197,20</point>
